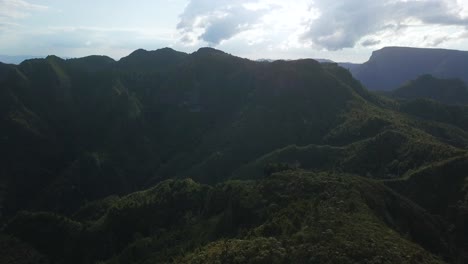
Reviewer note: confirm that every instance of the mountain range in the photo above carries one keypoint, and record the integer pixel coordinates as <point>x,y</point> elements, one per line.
<point>169,157</point>
<point>387,69</point>
<point>391,67</point>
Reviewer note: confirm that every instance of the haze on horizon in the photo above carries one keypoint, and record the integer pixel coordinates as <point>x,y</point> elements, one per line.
<point>347,30</point>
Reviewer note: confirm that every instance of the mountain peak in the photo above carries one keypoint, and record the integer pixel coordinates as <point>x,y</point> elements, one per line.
<point>149,60</point>
<point>208,50</point>
<point>143,52</point>
<point>92,63</point>
<point>165,49</point>
<point>53,58</point>
<point>137,52</point>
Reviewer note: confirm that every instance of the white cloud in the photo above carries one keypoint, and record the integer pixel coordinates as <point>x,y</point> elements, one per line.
<point>13,10</point>
<point>18,9</point>
<point>215,21</point>
<point>318,24</point>
<point>343,23</point>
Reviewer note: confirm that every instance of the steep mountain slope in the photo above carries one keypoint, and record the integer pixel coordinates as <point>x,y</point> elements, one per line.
<point>200,115</point>
<point>4,70</point>
<point>390,67</point>
<point>59,118</point>
<point>283,107</point>
<point>447,91</point>
<point>441,188</point>
<point>114,126</point>
<point>431,110</point>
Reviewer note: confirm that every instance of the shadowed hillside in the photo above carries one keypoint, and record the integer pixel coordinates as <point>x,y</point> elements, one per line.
<point>446,91</point>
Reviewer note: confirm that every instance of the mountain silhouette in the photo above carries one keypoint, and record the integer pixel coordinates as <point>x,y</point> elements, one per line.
<point>391,67</point>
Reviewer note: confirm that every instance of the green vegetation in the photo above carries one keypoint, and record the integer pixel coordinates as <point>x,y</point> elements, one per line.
<point>288,217</point>
<point>447,91</point>
<point>167,157</point>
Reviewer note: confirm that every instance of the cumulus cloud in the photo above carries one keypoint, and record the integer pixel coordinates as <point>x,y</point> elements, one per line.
<point>333,25</point>
<point>215,21</point>
<point>342,24</point>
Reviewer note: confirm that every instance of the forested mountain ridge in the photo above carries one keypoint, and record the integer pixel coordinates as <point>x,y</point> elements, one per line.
<point>81,134</point>
<point>447,91</point>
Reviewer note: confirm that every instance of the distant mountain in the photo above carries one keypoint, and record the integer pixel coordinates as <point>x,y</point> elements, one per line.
<point>447,91</point>
<point>349,66</point>
<point>391,67</point>
<point>17,59</point>
<point>319,60</point>
<point>324,60</point>
<point>265,60</point>
<point>170,157</point>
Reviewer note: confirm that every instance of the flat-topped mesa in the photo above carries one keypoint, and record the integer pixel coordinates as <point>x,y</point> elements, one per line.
<point>390,67</point>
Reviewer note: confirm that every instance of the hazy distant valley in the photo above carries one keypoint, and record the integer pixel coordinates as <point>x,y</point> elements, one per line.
<point>169,157</point>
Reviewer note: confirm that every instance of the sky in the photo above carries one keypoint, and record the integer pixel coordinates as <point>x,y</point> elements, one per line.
<point>340,30</point>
